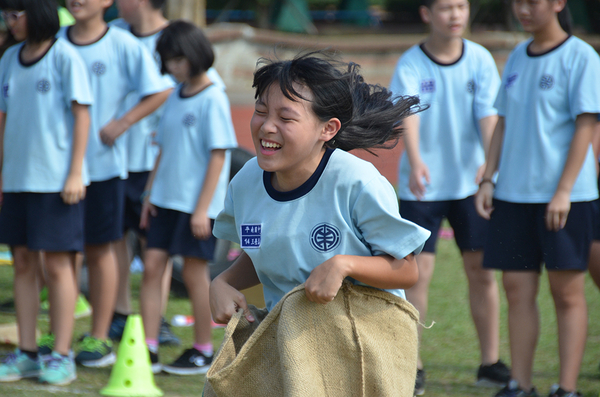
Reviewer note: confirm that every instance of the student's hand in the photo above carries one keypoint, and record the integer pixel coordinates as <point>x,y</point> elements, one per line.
<point>418,173</point>
<point>557,211</point>
<point>148,210</point>
<point>200,225</point>
<point>111,131</point>
<point>225,301</point>
<point>480,172</point>
<point>325,280</point>
<point>74,190</point>
<point>483,200</point>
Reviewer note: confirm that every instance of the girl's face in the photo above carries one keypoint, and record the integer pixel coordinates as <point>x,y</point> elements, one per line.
<point>448,18</point>
<point>288,136</point>
<point>16,21</point>
<point>83,10</point>
<point>535,15</point>
<point>179,67</point>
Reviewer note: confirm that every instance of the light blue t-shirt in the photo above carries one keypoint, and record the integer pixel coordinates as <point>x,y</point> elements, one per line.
<point>540,98</point>
<point>459,95</point>
<point>118,64</point>
<point>37,99</point>
<point>191,127</point>
<point>347,207</point>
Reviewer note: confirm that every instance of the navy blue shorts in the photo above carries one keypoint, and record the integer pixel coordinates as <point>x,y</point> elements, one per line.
<point>170,231</point>
<point>134,187</point>
<point>518,238</point>
<point>469,228</point>
<point>104,206</point>
<point>41,222</point>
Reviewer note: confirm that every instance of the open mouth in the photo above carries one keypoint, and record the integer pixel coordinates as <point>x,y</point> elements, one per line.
<point>270,146</point>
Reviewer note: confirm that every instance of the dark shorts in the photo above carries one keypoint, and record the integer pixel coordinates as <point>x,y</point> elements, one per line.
<point>518,238</point>
<point>134,187</point>
<point>104,205</point>
<point>469,228</point>
<point>41,222</point>
<point>597,216</point>
<point>170,231</point>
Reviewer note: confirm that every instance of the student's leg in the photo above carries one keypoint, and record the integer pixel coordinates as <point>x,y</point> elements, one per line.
<point>103,276</point>
<point>166,287</point>
<point>197,282</point>
<point>594,262</point>
<point>123,303</point>
<point>62,294</point>
<point>155,261</point>
<point>26,292</point>
<point>567,288</point>
<point>523,322</point>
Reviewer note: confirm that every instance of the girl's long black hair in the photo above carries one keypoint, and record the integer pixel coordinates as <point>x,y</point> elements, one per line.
<point>370,116</point>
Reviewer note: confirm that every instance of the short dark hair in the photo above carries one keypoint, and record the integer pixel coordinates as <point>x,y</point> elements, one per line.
<point>184,39</point>
<point>42,17</point>
<point>369,116</point>
<point>157,4</point>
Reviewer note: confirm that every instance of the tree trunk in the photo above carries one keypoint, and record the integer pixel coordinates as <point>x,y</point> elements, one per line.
<point>191,10</point>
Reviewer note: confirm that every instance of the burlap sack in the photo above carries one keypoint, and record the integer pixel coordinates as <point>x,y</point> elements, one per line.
<point>363,343</point>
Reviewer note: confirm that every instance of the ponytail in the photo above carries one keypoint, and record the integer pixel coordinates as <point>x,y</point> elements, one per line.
<point>565,20</point>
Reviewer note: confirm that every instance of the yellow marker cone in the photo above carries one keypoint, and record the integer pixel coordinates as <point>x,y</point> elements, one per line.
<point>131,375</point>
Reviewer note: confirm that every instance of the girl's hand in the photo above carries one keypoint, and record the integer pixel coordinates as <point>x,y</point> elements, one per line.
<point>419,173</point>
<point>325,280</point>
<point>557,211</point>
<point>111,131</point>
<point>74,190</point>
<point>148,210</point>
<point>483,200</point>
<point>225,301</point>
<point>200,225</point>
<point>480,172</point>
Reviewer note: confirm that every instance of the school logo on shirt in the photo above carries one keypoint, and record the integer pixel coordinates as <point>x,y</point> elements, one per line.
<point>98,68</point>
<point>5,90</point>
<point>189,120</point>
<point>510,80</point>
<point>250,235</point>
<point>325,237</point>
<point>546,82</point>
<point>43,86</point>
<point>471,86</point>
<point>427,86</point>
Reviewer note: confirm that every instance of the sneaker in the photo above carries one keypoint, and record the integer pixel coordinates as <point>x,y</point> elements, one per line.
<point>166,337</point>
<point>58,370</point>
<point>95,353</point>
<point>512,389</point>
<point>155,365</point>
<point>117,327</point>
<point>191,362</point>
<point>82,307</point>
<point>494,375</point>
<point>45,345</point>
<point>17,366</point>
<point>420,383</point>
<point>557,391</point>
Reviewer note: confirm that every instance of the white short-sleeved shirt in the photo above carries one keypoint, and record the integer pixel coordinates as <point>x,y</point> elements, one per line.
<point>346,207</point>
<point>117,64</point>
<point>459,95</point>
<point>540,98</point>
<point>37,99</point>
<point>191,127</point>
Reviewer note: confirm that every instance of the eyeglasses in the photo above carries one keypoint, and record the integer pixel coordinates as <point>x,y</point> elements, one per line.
<point>12,16</point>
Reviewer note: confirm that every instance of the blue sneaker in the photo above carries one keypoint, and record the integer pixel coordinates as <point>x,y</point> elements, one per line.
<point>166,337</point>
<point>58,370</point>
<point>512,389</point>
<point>95,353</point>
<point>17,366</point>
<point>117,327</point>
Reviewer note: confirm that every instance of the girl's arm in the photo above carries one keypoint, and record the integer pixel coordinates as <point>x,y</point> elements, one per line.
<point>74,189</point>
<point>147,208</point>
<point>486,126</point>
<point>200,222</point>
<point>596,144</point>
<point>418,169</point>
<point>483,198</point>
<point>381,271</point>
<point>558,208</point>
<point>115,128</point>
<point>225,295</point>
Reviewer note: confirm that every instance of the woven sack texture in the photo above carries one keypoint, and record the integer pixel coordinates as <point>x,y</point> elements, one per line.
<point>363,343</point>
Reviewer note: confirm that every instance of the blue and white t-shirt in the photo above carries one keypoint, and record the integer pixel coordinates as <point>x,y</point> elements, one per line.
<point>191,127</point>
<point>118,64</point>
<point>37,99</point>
<point>540,98</point>
<point>459,95</point>
<point>347,207</point>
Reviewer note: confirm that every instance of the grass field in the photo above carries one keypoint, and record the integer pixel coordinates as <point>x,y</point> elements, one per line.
<point>450,348</point>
